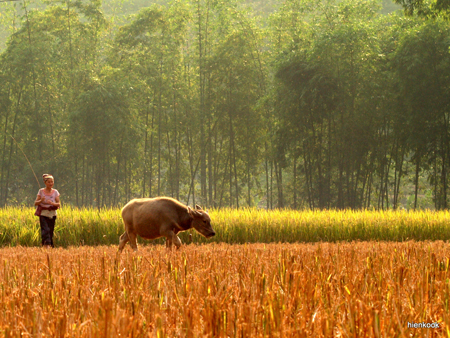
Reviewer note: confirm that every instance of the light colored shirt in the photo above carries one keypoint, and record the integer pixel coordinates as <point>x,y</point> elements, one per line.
<point>52,197</point>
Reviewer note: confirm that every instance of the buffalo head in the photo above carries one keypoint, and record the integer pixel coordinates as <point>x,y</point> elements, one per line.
<point>201,221</point>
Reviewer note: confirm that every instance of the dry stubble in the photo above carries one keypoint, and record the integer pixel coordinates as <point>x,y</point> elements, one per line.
<point>365,289</point>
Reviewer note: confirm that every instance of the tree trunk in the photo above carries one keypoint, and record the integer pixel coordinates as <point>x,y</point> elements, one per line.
<point>151,153</point>
<point>5,201</point>
<point>116,187</point>
<point>295,182</point>
<point>145,147</point>
<point>236,186</point>
<point>36,105</point>
<point>5,133</point>
<point>169,176</point>
<point>159,129</point>
<point>230,155</point>
<point>266,167</point>
<point>416,181</point>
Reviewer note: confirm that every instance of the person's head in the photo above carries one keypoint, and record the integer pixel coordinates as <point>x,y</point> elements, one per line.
<point>48,180</point>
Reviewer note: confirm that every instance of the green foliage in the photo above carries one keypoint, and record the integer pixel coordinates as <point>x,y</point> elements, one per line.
<point>312,103</point>
<point>426,8</point>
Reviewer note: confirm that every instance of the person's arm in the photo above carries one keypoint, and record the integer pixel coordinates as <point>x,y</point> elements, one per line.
<point>39,200</point>
<point>57,202</point>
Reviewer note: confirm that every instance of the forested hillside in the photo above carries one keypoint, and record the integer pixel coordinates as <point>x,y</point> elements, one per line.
<point>119,11</point>
<point>301,104</point>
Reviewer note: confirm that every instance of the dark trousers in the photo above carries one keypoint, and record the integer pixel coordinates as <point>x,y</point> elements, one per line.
<point>47,229</point>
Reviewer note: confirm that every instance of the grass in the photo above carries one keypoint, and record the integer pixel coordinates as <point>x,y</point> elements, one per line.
<point>19,226</point>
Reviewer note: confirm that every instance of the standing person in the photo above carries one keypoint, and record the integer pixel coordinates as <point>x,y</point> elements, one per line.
<point>47,201</point>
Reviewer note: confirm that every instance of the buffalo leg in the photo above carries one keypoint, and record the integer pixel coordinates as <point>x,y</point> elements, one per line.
<point>123,240</point>
<point>176,240</point>
<point>172,238</point>
<point>133,243</point>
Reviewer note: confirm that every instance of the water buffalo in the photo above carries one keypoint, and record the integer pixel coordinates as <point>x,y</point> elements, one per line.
<point>157,217</point>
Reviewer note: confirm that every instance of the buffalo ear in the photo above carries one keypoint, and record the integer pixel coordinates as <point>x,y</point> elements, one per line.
<point>193,213</point>
<point>197,207</point>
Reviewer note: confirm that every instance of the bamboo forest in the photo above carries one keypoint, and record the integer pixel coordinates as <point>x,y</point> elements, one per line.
<point>302,104</point>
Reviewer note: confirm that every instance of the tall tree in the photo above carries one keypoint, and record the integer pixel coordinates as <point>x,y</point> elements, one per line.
<point>421,63</point>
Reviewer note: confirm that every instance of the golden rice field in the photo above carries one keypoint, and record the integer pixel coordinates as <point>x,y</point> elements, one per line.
<point>276,273</point>
<point>357,289</point>
<point>19,226</point>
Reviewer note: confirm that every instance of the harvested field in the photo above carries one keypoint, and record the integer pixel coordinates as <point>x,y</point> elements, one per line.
<point>358,289</point>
